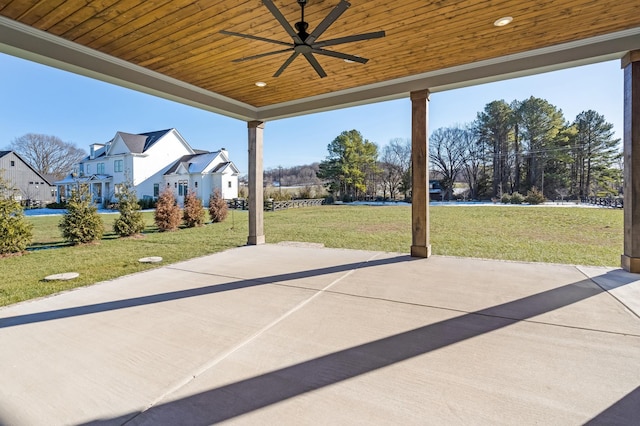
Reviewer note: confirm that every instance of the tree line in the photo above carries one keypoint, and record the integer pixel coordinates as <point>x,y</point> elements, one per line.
<point>509,148</point>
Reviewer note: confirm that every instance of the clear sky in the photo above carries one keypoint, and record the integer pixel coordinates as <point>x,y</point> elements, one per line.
<point>40,99</point>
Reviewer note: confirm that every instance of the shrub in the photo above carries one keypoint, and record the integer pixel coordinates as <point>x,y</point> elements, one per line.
<point>167,215</point>
<point>305,193</point>
<point>506,199</point>
<point>56,205</point>
<point>517,198</point>
<point>82,223</point>
<point>130,221</point>
<point>15,231</point>
<point>147,203</point>
<point>218,208</point>
<point>193,213</point>
<point>534,196</point>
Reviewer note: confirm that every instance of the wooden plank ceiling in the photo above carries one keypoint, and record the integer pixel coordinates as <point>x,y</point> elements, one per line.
<point>181,38</point>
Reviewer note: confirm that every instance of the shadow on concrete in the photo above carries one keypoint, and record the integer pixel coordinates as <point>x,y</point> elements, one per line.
<point>242,397</point>
<point>194,292</point>
<point>624,412</point>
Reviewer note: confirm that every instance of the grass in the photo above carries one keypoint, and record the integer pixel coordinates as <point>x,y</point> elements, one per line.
<point>558,235</point>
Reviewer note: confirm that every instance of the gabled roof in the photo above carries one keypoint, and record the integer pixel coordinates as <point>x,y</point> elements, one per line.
<point>198,163</point>
<point>223,166</point>
<point>47,181</point>
<point>183,161</point>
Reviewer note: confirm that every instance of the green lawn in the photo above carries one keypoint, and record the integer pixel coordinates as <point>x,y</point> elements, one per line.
<point>559,235</point>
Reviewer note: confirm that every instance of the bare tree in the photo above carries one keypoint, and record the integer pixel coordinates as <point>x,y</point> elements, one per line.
<point>447,149</point>
<point>396,165</point>
<point>47,154</point>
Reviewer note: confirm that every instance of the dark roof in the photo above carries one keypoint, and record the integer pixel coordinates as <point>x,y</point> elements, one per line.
<point>138,144</point>
<point>184,160</point>
<point>152,137</point>
<point>220,166</point>
<point>3,153</point>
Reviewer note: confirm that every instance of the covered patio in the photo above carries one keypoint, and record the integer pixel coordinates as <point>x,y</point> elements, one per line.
<point>288,334</point>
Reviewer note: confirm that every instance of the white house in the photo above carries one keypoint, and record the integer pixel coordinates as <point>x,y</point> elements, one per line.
<point>153,161</point>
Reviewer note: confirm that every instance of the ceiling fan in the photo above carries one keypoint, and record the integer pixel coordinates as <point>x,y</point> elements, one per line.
<point>305,44</point>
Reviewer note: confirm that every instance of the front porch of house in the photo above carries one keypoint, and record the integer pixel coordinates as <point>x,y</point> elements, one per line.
<point>99,187</point>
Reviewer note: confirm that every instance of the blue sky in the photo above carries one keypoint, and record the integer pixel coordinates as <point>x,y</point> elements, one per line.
<point>40,99</point>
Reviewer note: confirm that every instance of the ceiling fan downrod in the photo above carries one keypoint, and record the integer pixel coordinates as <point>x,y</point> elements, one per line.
<point>302,26</point>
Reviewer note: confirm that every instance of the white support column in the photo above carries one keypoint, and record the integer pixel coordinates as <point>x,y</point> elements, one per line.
<point>420,246</point>
<point>256,203</point>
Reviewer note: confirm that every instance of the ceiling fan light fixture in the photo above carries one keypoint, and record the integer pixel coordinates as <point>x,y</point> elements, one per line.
<point>261,84</point>
<point>503,21</point>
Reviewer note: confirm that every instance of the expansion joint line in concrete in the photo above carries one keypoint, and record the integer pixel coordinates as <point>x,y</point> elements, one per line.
<point>628,308</point>
<point>207,366</point>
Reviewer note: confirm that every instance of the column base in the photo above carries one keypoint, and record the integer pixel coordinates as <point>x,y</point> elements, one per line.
<point>255,240</point>
<point>630,264</point>
<point>421,251</point>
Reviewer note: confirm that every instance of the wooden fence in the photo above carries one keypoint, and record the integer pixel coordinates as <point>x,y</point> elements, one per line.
<point>272,205</point>
<point>616,203</point>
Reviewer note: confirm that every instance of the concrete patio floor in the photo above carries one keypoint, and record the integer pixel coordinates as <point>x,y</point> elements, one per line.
<point>286,334</point>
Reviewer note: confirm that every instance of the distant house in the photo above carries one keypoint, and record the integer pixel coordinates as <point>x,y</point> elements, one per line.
<point>152,161</point>
<point>30,187</point>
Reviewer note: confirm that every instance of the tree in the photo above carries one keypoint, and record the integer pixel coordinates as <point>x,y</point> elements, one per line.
<point>130,222</point>
<point>81,223</point>
<point>594,151</point>
<point>540,124</point>
<point>193,213</point>
<point>218,208</point>
<point>494,129</point>
<point>472,170</point>
<point>396,165</point>
<point>350,156</point>
<point>15,231</point>
<point>47,154</point>
<point>447,148</point>
<point>167,215</point>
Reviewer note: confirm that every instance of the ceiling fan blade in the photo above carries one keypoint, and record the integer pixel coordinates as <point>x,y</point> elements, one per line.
<point>315,64</point>
<point>286,64</point>
<point>280,18</point>
<point>268,40</point>
<point>326,22</point>
<point>262,55</point>
<point>341,55</point>
<point>348,39</point>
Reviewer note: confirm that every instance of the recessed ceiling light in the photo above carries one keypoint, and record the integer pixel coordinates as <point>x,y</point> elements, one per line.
<point>261,84</point>
<point>503,21</point>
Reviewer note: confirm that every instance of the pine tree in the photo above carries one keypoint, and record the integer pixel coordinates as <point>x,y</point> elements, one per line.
<point>82,223</point>
<point>15,231</point>
<point>218,208</point>
<point>193,214</point>
<point>168,214</point>
<point>130,221</point>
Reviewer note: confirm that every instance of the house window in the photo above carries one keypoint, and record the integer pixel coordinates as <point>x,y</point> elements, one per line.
<point>182,188</point>
<point>156,189</point>
<point>117,166</point>
<point>13,163</point>
<point>229,184</point>
<point>100,168</point>
<point>81,169</point>
<point>88,169</point>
